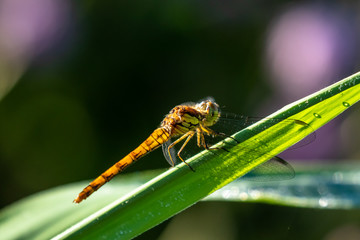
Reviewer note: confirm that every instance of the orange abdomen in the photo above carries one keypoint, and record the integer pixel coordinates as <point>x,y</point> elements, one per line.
<point>155,140</point>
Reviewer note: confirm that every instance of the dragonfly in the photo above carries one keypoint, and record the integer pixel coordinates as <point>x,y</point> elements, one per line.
<point>183,123</point>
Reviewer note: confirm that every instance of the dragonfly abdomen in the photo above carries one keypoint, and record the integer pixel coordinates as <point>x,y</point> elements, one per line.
<point>155,140</point>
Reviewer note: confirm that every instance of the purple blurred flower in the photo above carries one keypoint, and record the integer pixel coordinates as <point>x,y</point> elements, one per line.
<point>29,27</point>
<point>27,30</point>
<point>307,48</point>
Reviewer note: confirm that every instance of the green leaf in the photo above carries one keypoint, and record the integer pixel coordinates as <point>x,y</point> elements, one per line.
<point>35,217</point>
<point>46,214</point>
<point>179,188</point>
<point>330,187</point>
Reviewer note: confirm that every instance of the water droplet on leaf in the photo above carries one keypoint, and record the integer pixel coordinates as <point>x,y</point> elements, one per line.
<point>346,104</point>
<point>317,115</point>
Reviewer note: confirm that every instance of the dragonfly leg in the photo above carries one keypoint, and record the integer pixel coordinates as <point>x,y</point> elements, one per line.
<point>190,135</point>
<point>201,139</point>
<point>202,142</point>
<point>187,135</point>
<point>216,133</point>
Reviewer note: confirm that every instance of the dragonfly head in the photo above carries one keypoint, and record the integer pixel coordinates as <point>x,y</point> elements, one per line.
<point>210,111</point>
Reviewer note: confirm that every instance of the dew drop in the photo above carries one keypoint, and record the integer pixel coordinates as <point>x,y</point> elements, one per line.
<point>323,202</point>
<point>346,104</point>
<point>338,177</point>
<point>255,194</point>
<point>317,115</point>
<point>226,194</point>
<point>243,196</point>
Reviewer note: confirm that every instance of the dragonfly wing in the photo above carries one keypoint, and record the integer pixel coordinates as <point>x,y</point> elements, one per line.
<point>230,123</point>
<point>275,169</point>
<point>190,149</point>
<point>172,157</point>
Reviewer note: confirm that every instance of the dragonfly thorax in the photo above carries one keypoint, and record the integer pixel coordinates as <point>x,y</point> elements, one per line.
<point>185,118</point>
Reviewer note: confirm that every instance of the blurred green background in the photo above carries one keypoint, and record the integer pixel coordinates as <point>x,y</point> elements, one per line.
<point>83,83</point>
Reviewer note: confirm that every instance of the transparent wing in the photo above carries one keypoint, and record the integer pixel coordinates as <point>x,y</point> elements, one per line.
<point>170,154</point>
<point>274,169</point>
<point>228,124</point>
<point>190,150</point>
